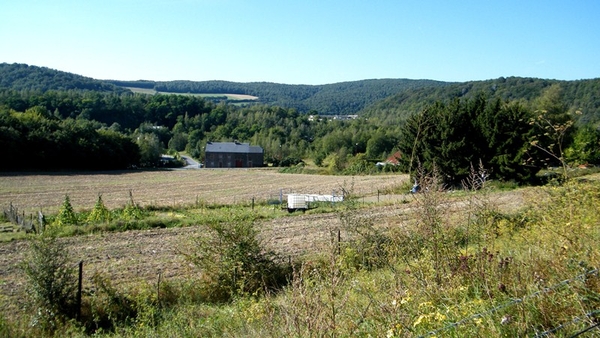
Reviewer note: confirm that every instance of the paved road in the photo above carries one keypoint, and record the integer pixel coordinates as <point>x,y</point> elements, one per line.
<point>191,164</point>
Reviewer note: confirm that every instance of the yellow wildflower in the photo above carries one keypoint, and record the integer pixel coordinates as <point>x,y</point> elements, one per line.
<point>420,320</point>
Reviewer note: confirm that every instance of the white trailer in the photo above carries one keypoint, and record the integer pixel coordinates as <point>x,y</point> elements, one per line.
<point>302,201</point>
<point>296,202</point>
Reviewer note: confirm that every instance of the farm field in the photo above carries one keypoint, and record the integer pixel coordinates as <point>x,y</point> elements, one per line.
<point>46,191</point>
<point>232,97</point>
<point>132,257</point>
<point>141,259</point>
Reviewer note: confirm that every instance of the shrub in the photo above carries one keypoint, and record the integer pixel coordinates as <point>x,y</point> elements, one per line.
<point>100,213</point>
<point>131,211</point>
<point>108,307</point>
<point>66,214</point>
<point>234,262</point>
<point>51,281</point>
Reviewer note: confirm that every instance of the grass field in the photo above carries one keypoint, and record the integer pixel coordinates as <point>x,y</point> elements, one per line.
<point>46,191</point>
<point>230,97</point>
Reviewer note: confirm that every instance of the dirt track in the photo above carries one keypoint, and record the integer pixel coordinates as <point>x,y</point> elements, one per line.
<point>134,256</point>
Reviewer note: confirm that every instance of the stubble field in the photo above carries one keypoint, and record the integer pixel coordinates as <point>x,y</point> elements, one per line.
<point>132,257</point>
<point>139,256</point>
<point>46,192</point>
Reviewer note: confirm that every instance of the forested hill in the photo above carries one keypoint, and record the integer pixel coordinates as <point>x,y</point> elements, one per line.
<point>343,98</point>
<point>389,100</point>
<point>41,79</point>
<point>580,95</point>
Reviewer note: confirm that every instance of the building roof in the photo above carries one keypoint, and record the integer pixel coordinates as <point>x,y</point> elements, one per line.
<point>395,158</point>
<point>232,147</point>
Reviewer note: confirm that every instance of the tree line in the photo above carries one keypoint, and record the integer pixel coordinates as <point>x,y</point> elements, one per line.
<point>156,123</point>
<point>510,139</point>
<point>93,131</point>
<point>36,140</point>
<point>512,136</point>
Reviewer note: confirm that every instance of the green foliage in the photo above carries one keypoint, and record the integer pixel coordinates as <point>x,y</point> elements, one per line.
<point>24,77</point>
<point>454,136</point>
<point>338,98</point>
<point>68,122</point>
<point>131,211</point>
<point>585,148</point>
<point>380,144</point>
<point>506,135</point>
<point>108,307</point>
<point>178,142</point>
<point>150,149</point>
<point>36,140</point>
<point>100,213</point>
<point>368,247</point>
<point>361,165</point>
<point>51,130</point>
<point>6,329</point>
<point>576,95</point>
<point>552,130</point>
<point>51,282</point>
<point>66,214</point>
<point>233,262</point>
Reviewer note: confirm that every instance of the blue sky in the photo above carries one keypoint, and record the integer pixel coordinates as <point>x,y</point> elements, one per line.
<point>304,42</point>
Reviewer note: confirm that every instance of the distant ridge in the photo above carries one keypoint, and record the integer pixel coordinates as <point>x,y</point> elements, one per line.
<point>18,76</point>
<point>337,98</point>
<point>390,100</point>
<point>578,95</point>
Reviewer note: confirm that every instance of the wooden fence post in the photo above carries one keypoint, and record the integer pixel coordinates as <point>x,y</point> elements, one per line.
<point>339,242</point>
<point>79,289</point>
<point>158,289</point>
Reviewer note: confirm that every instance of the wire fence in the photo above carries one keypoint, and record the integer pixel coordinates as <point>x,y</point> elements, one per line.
<point>545,290</point>
<point>588,315</point>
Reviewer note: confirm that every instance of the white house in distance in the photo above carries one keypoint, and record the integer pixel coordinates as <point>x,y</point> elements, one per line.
<point>233,155</point>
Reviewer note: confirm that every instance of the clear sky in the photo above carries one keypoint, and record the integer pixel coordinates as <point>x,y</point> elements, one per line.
<point>305,41</point>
